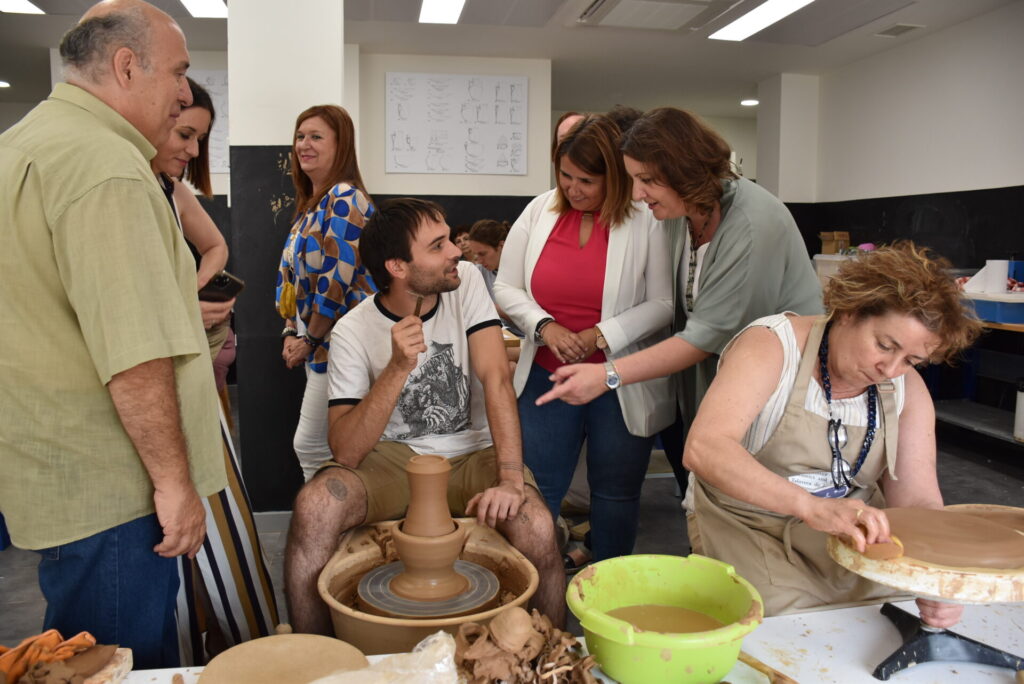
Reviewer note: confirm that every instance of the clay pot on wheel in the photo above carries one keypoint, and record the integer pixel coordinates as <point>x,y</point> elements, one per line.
<point>429,574</point>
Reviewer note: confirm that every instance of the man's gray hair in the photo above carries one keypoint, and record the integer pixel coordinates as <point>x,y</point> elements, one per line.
<point>87,48</point>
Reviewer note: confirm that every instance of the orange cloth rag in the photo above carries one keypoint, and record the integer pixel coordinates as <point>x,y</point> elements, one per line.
<point>47,647</point>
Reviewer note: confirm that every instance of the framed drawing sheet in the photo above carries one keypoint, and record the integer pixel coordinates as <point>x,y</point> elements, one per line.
<point>456,123</point>
<point>215,81</point>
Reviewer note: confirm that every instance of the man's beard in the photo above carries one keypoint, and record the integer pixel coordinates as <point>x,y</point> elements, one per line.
<point>423,284</point>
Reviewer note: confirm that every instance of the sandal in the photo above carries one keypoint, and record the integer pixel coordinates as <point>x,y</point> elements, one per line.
<point>576,559</point>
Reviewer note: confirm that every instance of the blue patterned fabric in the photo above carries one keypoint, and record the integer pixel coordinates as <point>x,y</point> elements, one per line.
<point>321,259</point>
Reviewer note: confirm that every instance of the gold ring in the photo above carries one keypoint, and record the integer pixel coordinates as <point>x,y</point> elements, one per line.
<point>860,511</point>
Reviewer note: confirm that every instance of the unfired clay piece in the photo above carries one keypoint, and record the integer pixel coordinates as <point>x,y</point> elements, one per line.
<point>283,659</point>
<point>956,539</point>
<point>428,515</point>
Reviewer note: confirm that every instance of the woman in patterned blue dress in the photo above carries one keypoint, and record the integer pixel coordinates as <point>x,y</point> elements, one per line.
<point>321,276</point>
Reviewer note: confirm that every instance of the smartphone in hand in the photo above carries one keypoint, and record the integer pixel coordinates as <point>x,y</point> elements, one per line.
<point>221,288</point>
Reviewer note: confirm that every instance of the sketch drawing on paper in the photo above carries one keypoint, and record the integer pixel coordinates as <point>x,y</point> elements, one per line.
<point>429,117</point>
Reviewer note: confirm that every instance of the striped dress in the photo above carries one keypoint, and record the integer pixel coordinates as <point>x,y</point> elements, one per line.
<point>225,593</point>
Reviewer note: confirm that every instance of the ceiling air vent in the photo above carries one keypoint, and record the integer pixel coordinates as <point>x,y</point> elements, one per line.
<point>665,15</point>
<point>898,30</point>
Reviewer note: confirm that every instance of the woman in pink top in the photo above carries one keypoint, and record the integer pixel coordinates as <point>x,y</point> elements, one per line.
<point>586,275</point>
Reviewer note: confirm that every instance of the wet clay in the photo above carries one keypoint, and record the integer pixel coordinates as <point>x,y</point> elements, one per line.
<point>428,514</point>
<point>283,659</point>
<point>885,550</point>
<point>651,617</point>
<point>429,573</point>
<point>428,541</point>
<point>520,647</point>
<point>955,539</point>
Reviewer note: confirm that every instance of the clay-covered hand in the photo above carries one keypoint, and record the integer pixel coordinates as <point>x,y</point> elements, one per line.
<point>407,343</point>
<point>939,613</point>
<point>564,343</point>
<point>497,504</point>
<point>183,520</point>
<point>215,312</point>
<point>294,351</point>
<point>851,519</point>
<point>576,384</point>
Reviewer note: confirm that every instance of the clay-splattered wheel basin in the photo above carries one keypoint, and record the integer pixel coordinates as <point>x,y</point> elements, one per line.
<point>934,580</point>
<point>361,550</point>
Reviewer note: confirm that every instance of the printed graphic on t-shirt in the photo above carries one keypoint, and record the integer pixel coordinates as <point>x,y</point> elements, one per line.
<point>435,400</point>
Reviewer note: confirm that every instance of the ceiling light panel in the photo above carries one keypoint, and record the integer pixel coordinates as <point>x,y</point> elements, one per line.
<point>758,18</point>
<point>19,7</point>
<point>206,9</point>
<point>441,11</point>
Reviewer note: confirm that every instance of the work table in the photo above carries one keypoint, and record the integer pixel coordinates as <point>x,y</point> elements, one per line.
<point>839,645</point>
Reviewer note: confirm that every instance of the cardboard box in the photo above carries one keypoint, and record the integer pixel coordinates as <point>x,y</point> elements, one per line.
<point>834,241</point>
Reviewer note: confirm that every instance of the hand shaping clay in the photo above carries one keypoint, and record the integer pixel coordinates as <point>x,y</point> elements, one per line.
<point>955,539</point>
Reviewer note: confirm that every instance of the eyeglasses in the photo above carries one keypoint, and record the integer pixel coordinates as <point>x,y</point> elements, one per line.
<point>837,439</point>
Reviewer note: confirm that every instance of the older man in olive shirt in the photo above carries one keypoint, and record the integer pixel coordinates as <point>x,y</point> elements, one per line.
<point>108,420</point>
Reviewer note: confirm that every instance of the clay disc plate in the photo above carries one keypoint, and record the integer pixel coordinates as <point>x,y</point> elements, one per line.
<point>283,659</point>
<point>933,580</point>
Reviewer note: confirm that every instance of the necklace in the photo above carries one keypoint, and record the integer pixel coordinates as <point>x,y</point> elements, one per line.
<point>837,438</point>
<point>697,235</point>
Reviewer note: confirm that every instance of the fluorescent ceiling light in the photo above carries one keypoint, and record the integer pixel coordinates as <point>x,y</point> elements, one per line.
<point>758,18</point>
<point>206,9</point>
<point>4,84</point>
<point>750,103</point>
<point>441,11</point>
<point>19,7</point>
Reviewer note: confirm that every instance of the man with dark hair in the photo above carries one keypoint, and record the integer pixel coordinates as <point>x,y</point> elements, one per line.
<point>109,429</point>
<point>419,367</point>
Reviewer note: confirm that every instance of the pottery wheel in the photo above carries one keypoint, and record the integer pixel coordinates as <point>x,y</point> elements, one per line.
<point>930,579</point>
<point>375,593</point>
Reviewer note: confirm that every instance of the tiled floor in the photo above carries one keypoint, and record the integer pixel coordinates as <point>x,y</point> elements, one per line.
<point>971,470</point>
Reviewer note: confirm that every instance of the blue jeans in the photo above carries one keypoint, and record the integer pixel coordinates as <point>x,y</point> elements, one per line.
<point>616,460</point>
<point>115,587</point>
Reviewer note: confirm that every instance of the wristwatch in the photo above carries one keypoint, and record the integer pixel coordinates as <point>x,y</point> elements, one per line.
<point>611,376</point>
<point>601,343</point>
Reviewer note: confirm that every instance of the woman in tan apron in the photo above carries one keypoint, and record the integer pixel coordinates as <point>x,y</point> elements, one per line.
<point>770,489</point>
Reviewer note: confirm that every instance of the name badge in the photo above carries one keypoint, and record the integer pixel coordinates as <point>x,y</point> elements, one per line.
<point>819,483</point>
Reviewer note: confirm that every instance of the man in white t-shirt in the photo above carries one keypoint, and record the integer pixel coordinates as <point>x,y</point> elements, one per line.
<point>433,383</point>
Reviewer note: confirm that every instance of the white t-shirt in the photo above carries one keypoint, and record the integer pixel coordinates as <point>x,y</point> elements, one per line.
<point>441,408</point>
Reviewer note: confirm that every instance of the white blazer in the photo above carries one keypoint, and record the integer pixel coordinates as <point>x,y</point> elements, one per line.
<point>636,305</point>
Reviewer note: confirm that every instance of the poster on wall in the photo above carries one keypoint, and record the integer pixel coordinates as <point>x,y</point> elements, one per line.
<point>456,123</point>
<point>215,81</point>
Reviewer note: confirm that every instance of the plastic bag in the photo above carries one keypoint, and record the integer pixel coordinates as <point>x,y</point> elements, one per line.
<point>432,661</point>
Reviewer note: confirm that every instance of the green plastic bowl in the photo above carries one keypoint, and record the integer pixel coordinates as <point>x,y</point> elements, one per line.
<point>695,582</point>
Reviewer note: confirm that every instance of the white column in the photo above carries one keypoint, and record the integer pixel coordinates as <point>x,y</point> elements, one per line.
<point>787,136</point>
<point>282,58</point>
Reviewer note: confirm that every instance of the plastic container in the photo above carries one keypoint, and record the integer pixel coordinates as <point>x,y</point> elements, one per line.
<point>827,265</point>
<point>998,308</point>
<point>695,582</point>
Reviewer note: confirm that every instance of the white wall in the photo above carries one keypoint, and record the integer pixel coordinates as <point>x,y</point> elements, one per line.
<point>284,57</point>
<point>940,114</point>
<point>372,133</point>
<point>740,133</point>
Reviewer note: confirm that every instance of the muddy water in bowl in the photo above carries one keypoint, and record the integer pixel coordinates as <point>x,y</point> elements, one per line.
<point>652,617</point>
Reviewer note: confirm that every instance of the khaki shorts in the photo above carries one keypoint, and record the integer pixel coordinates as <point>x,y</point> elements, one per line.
<point>382,473</point>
